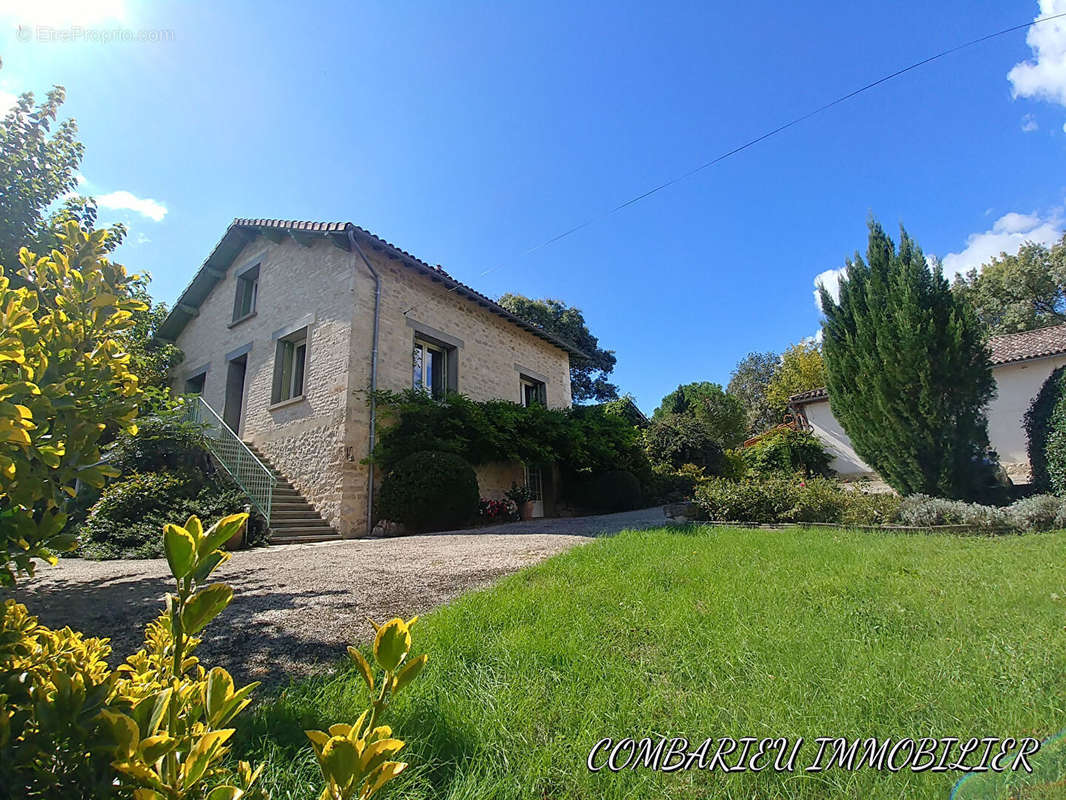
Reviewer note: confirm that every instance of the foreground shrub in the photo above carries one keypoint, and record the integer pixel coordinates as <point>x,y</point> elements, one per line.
<point>783,450</point>
<point>127,520</point>
<point>818,500</point>
<point>869,508</point>
<point>429,491</point>
<point>65,381</point>
<point>156,728</point>
<point>615,491</point>
<point>764,501</point>
<point>1039,513</point>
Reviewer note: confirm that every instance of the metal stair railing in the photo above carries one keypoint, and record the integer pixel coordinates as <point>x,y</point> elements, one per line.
<point>253,476</point>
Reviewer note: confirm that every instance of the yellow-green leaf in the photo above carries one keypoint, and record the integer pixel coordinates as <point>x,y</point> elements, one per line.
<point>409,672</point>
<point>392,643</point>
<point>204,606</point>
<point>380,776</point>
<point>202,754</point>
<point>220,533</point>
<point>339,760</point>
<point>180,549</point>
<point>364,667</point>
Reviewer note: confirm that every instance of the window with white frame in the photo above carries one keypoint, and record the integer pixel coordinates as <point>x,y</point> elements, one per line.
<point>433,369</point>
<point>290,363</point>
<point>247,293</point>
<point>534,392</point>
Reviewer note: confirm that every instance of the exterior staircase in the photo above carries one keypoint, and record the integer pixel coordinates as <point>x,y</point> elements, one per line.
<point>292,518</point>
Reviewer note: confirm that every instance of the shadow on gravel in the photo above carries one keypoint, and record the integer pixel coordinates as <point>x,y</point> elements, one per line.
<point>239,639</point>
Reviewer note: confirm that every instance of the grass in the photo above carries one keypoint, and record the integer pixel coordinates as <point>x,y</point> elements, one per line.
<point>710,633</point>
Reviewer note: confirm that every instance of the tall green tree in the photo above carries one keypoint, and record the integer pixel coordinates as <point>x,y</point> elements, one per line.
<point>801,369</point>
<point>38,166</point>
<point>749,383</point>
<point>1013,293</point>
<point>721,414</point>
<point>908,371</point>
<point>588,376</point>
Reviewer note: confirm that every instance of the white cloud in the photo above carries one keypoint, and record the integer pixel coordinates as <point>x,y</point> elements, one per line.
<point>1044,77</point>
<point>1008,233</point>
<point>830,279</point>
<point>1029,123</point>
<point>127,201</point>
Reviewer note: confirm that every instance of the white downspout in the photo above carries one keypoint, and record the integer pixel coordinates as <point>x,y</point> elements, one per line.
<point>373,376</point>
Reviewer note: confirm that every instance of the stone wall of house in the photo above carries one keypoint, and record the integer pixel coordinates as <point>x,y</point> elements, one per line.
<point>496,478</point>
<point>319,440</point>
<point>299,286</point>
<point>491,352</point>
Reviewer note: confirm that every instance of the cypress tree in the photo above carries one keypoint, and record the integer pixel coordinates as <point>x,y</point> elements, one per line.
<point>908,371</point>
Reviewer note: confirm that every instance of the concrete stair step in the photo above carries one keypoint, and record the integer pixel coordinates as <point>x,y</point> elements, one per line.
<point>293,519</point>
<point>302,522</point>
<point>306,512</point>
<point>288,533</point>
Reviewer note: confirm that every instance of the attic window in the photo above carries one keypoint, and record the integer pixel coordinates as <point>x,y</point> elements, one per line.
<point>247,293</point>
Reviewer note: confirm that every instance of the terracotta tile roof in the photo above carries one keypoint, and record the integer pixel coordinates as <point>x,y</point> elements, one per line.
<point>242,229</point>
<point>1005,349</point>
<point>1029,344</point>
<point>809,396</point>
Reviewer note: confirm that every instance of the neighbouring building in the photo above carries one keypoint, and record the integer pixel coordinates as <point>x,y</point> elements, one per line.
<point>287,325</point>
<point>1021,362</point>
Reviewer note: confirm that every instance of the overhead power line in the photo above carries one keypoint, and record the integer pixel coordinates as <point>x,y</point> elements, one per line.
<point>763,137</point>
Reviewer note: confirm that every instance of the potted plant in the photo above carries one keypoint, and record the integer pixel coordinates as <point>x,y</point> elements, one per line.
<point>523,498</point>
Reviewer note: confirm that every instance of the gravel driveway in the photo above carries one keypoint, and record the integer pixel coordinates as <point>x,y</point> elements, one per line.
<point>296,607</point>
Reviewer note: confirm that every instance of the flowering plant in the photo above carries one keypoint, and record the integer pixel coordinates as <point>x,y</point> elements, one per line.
<point>497,510</point>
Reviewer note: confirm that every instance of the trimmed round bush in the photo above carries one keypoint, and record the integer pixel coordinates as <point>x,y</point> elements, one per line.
<point>617,490</point>
<point>429,491</point>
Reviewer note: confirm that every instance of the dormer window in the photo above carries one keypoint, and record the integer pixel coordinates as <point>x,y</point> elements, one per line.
<point>247,293</point>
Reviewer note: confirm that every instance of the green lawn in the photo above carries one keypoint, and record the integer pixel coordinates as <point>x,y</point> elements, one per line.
<point>711,633</point>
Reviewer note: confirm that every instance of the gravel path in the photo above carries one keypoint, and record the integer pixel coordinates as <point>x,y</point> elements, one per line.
<point>296,607</point>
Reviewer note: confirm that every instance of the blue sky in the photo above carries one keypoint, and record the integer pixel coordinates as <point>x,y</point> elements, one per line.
<point>467,133</point>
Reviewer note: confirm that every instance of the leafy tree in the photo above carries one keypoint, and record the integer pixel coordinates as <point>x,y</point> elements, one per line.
<point>673,440</point>
<point>749,384</point>
<point>64,381</point>
<point>1014,293</point>
<point>721,413</point>
<point>588,377</point>
<point>802,369</point>
<point>37,167</point>
<point>908,371</point>
<point>150,360</point>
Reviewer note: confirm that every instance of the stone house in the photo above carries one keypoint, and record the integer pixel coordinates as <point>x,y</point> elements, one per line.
<point>1021,362</point>
<point>287,325</point>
